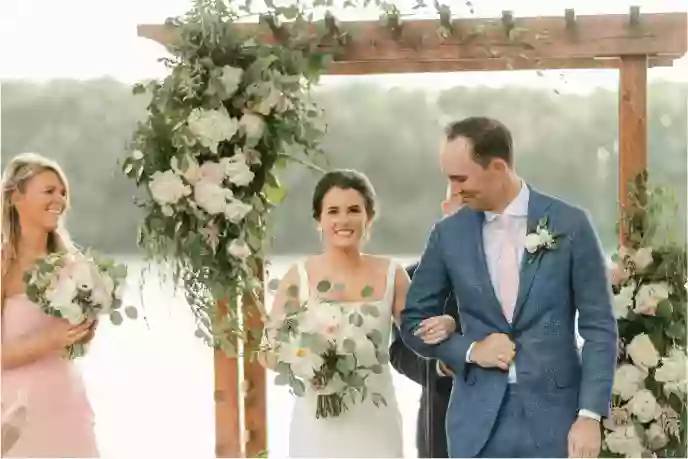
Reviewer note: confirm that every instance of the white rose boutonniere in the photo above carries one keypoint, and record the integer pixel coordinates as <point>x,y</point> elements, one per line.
<point>540,239</point>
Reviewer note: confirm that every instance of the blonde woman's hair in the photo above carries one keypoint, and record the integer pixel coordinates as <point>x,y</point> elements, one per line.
<point>18,173</point>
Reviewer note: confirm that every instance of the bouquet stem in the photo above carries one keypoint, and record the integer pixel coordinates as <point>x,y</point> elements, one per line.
<point>76,350</point>
<point>330,405</point>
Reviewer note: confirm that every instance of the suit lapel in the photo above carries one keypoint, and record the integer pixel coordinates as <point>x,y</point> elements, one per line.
<point>482,272</point>
<point>537,208</point>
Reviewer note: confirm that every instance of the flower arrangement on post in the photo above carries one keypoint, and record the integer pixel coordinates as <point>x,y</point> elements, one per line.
<point>649,393</point>
<point>231,111</point>
<point>327,348</point>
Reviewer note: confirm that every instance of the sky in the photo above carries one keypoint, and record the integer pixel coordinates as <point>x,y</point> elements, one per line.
<point>85,39</point>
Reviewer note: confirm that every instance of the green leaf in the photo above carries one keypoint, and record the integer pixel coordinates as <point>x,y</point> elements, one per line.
<point>339,288</point>
<point>676,330</point>
<point>116,318</point>
<point>298,387</point>
<point>344,366</point>
<point>291,307</point>
<point>324,286</point>
<point>131,312</point>
<point>282,379</point>
<point>349,346</point>
<point>367,292</point>
<point>382,357</point>
<point>376,337</point>
<point>273,285</point>
<point>370,310</point>
<point>356,319</point>
<point>665,309</point>
<point>377,369</point>
<point>274,194</point>
<point>293,291</point>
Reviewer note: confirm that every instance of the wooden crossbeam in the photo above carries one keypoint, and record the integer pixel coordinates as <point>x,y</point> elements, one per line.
<point>535,43</point>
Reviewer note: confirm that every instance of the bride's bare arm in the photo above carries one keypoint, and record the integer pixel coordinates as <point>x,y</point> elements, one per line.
<point>401,286</point>
<point>289,281</point>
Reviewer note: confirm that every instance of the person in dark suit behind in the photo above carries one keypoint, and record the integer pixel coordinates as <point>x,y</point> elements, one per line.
<point>432,375</point>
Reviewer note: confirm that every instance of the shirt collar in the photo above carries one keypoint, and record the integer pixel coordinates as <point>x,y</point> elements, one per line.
<point>516,208</point>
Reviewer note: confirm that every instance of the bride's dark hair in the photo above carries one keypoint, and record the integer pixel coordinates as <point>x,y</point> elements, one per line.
<point>344,179</point>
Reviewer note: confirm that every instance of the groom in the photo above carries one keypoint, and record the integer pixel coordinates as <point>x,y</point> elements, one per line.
<point>522,389</point>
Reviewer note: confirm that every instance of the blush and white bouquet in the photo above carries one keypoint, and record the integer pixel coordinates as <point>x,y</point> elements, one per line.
<point>78,286</point>
<point>328,348</point>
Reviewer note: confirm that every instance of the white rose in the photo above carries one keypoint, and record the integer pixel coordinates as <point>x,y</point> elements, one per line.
<point>236,170</point>
<point>231,77</point>
<point>625,440</point>
<point>236,210</point>
<point>252,125</point>
<point>212,127</point>
<point>532,242</point>
<point>239,249</point>
<point>643,352</point>
<point>672,372</point>
<point>62,292</point>
<point>72,312</point>
<point>167,187</point>
<point>192,173</point>
<point>101,294</point>
<point>211,197</point>
<point>546,238</point>
<point>302,361</point>
<point>642,258</point>
<point>83,275</point>
<point>649,296</point>
<point>628,380</point>
<point>656,437</point>
<point>212,172</point>
<point>167,211</point>
<point>137,155</point>
<point>623,301</point>
<point>269,102</point>
<point>644,406</point>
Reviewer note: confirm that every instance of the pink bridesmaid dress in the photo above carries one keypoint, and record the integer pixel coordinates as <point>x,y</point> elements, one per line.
<point>59,419</point>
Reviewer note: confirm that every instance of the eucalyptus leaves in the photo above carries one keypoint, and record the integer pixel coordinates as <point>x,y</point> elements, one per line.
<point>329,349</point>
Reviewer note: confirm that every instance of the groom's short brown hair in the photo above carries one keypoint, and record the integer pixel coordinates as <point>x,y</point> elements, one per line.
<point>490,138</point>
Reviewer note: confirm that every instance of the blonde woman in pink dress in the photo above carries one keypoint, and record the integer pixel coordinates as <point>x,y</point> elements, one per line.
<point>59,419</point>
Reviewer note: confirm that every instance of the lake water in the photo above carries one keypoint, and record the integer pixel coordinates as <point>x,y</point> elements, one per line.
<point>151,382</point>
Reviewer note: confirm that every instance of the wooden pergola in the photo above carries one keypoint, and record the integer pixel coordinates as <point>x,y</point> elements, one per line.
<point>631,43</point>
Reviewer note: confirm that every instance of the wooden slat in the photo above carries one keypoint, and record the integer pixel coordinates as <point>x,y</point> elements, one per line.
<point>661,34</point>
<point>227,405</point>
<point>632,126</point>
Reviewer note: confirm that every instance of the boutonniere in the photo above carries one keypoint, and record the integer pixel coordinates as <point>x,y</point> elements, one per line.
<point>540,239</point>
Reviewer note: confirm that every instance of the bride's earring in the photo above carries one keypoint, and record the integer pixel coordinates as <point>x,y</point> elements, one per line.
<point>320,235</point>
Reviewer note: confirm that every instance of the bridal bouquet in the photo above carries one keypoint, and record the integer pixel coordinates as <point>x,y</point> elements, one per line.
<point>78,286</point>
<point>329,348</point>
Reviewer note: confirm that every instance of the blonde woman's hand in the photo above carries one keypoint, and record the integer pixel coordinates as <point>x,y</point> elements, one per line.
<point>63,334</point>
<point>436,329</point>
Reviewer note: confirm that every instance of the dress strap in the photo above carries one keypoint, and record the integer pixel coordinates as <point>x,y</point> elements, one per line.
<point>391,275</point>
<point>304,285</point>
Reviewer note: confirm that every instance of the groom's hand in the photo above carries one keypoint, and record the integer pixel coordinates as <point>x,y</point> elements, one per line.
<point>495,351</point>
<point>585,438</point>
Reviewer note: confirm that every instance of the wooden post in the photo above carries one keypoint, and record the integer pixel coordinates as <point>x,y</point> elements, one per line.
<point>632,126</point>
<point>227,407</point>
<point>254,387</point>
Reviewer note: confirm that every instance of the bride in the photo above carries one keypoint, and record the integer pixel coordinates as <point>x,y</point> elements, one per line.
<point>344,207</point>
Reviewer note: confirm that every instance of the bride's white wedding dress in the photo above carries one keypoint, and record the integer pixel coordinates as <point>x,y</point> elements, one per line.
<point>363,430</point>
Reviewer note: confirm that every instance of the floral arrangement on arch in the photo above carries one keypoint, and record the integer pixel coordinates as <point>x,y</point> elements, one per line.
<point>231,111</point>
<point>649,393</point>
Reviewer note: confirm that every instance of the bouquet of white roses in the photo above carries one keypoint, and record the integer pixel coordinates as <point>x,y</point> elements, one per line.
<point>78,286</point>
<point>327,347</point>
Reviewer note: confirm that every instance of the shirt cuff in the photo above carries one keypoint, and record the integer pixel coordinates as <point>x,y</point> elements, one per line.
<point>589,414</point>
<point>438,369</point>
<point>468,352</point>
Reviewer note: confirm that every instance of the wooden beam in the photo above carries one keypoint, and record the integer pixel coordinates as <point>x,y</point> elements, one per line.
<point>660,34</point>
<point>632,127</point>
<point>227,405</point>
<point>477,65</point>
